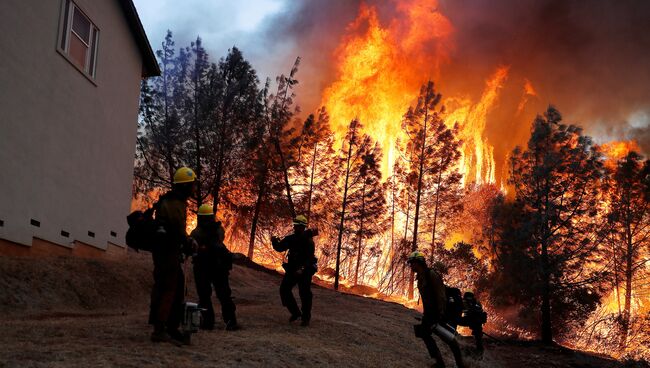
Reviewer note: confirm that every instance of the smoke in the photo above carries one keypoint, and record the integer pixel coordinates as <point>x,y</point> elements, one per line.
<point>589,58</point>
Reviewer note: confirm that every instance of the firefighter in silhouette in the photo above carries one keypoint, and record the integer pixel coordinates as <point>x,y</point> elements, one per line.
<point>212,265</point>
<point>434,300</point>
<point>172,243</point>
<point>299,269</point>
<point>466,311</point>
<point>474,317</point>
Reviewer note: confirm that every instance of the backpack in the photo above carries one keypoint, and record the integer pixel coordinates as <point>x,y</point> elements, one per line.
<point>142,232</point>
<point>454,307</point>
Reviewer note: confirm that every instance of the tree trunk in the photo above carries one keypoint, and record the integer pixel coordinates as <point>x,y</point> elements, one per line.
<point>341,223</point>
<point>359,249</point>
<point>311,180</point>
<point>547,332</point>
<point>256,214</point>
<point>414,245</point>
<point>629,273</point>
<point>283,166</point>
<point>391,250</point>
<point>435,214</point>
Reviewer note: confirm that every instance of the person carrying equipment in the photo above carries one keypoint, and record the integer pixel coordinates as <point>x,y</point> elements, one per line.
<point>434,300</point>
<point>474,317</point>
<point>299,269</point>
<point>212,265</point>
<point>172,242</point>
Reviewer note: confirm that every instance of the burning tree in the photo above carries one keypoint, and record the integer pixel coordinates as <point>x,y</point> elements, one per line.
<point>362,193</point>
<point>434,152</point>
<point>315,177</point>
<point>553,238</point>
<point>277,115</point>
<point>629,218</point>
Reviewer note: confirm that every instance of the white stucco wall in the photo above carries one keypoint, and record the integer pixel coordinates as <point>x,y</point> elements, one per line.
<point>66,144</point>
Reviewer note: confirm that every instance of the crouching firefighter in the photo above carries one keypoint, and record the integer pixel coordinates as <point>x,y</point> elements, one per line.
<point>212,265</point>
<point>299,269</point>
<point>474,317</point>
<point>432,292</point>
<point>468,312</point>
<point>172,243</point>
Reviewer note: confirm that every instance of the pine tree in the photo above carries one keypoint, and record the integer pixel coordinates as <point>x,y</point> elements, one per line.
<point>161,135</point>
<point>435,151</point>
<point>556,182</point>
<point>366,203</point>
<point>356,147</point>
<point>629,220</point>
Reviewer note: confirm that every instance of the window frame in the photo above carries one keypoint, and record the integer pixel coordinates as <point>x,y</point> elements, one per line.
<point>89,70</point>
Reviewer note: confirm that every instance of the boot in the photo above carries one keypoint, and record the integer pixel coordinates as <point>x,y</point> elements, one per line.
<point>232,325</point>
<point>179,337</point>
<point>295,316</point>
<point>159,335</point>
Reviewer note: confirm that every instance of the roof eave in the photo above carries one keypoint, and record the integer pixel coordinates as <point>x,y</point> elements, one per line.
<point>150,67</point>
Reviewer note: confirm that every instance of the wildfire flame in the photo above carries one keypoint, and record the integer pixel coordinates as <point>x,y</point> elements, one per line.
<point>614,151</point>
<point>380,70</point>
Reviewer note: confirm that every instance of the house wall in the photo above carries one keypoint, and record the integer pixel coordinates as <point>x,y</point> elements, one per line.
<point>66,144</point>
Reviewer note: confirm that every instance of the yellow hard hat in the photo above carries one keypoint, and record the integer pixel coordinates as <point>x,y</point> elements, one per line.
<point>184,175</point>
<point>300,220</point>
<point>205,210</point>
<point>416,256</point>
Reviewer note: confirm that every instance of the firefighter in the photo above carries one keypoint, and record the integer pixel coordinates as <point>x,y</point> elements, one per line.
<point>299,269</point>
<point>432,292</point>
<point>212,265</point>
<point>474,317</point>
<point>172,242</point>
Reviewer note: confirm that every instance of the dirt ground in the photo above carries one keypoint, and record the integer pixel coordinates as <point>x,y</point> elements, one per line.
<point>70,312</point>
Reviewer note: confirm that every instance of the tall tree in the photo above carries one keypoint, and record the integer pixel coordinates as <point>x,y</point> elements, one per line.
<point>235,116</point>
<point>355,146</point>
<point>629,217</point>
<point>556,182</point>
<point>161,134</point>
<point>276,134</point>
<point>366,203</point>
<point>434,150</point>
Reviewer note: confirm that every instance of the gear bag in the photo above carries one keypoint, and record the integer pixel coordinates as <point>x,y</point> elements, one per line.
<point>143,232</point>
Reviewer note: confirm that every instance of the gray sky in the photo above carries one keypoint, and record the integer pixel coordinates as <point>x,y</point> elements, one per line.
<point>220,23</point>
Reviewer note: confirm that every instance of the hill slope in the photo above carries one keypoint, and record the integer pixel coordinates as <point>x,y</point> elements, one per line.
<point>72,312</point>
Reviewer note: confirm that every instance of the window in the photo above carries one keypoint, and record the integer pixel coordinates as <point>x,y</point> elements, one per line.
<point>79,38</point>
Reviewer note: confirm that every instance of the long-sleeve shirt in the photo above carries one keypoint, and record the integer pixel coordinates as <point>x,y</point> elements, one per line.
<point>171,213</point>
<point>432,292</point>
<point>301,249</point>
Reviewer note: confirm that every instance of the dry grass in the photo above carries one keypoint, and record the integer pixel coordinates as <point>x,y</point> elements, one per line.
<point>66,312</point>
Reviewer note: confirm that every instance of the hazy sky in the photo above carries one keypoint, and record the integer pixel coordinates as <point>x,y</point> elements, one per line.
<point>220,23</point>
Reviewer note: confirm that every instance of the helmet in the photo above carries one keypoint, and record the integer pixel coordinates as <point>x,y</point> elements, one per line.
<point>469,295</point>
<point>205,210</point>
<point>184,175</point>
<point>300,220</point>
<point>416,256</point>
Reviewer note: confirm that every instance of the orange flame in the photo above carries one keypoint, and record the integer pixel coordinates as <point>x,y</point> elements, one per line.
<point>380,70</point>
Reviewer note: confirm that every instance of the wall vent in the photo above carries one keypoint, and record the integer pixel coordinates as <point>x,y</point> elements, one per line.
<point>91,234</point>
<point>114,234</point>
<point>2,223</point>
<point>65,234</point>
<point>35,223</point>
